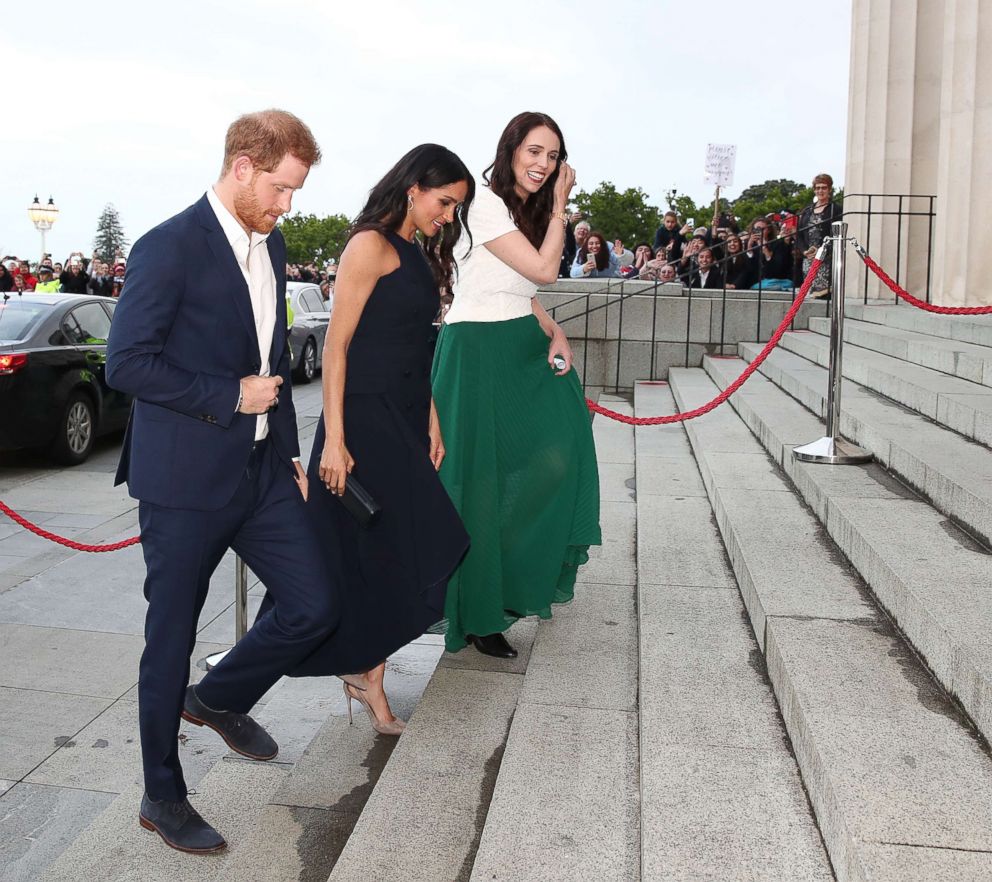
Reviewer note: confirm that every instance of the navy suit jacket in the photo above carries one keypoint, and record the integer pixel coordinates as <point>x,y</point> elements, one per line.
<point>182,338</point>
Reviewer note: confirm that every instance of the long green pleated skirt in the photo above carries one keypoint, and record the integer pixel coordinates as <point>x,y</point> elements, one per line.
<point>520,469</point>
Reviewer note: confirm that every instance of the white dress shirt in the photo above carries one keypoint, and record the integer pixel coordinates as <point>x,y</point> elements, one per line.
<point>252,255</point>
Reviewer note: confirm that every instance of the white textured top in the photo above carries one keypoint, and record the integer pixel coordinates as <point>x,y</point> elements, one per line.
<point>486,289</point>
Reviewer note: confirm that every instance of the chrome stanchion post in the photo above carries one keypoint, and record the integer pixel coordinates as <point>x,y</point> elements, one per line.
<point>240,611</point>
<point>240,599</point>
<point>832,448</point>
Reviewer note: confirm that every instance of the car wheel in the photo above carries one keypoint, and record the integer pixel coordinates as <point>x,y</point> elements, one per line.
<point>77,431</point>
<point>307,368</point>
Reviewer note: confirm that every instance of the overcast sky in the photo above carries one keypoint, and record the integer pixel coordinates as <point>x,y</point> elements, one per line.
<point>113,102</point>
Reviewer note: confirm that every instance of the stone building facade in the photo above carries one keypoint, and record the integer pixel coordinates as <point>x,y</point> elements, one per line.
<point>920,122</point>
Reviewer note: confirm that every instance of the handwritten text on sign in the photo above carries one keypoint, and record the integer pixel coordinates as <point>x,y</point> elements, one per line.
<point>720,159</point>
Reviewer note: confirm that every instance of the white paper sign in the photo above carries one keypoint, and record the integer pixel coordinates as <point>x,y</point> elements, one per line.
<point>720,159</point>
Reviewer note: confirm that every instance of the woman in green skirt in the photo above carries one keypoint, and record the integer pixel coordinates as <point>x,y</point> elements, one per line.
<point>521,465</point>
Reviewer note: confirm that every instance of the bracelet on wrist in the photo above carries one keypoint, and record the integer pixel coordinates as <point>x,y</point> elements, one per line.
<point>562,216</point>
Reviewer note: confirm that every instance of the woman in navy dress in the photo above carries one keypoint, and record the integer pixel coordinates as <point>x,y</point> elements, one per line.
<point>379,424</point>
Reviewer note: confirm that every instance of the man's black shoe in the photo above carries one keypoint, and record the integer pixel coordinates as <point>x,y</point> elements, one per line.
<point>492,644</point>
<point>180,826</point>
<point>242,734</point>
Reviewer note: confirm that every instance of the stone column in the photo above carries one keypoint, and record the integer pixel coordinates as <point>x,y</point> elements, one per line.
<point>964,233</point>
<point>892,148</point>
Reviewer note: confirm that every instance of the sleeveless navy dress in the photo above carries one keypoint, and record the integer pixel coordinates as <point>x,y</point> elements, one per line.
<point>395,573</point>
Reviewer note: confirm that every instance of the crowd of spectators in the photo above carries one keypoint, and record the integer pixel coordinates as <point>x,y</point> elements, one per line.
<point>772,252</point>
<point>81,275</point>
<point>76,275</point>
<point>310,272</point>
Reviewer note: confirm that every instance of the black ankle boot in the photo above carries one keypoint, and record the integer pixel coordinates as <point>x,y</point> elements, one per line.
<point>492,644</point>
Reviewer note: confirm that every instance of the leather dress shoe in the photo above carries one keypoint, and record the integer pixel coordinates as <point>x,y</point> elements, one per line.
<point>180,826</point>
<point>492,644</point>
<point>241,733</point>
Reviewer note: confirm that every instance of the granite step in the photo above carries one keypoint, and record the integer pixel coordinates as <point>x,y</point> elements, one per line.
<point>964,328</point>
<point>968,361</point>
<point>231,792</point>
<point>900,785</point>
<point>952,472</point>
<point>721,794</point>
<point>932,577</point>
<point>424,817</point>
<point>565,805</point>
<point>961,405</point>
<point>307,819</point>
<point>114,848</point>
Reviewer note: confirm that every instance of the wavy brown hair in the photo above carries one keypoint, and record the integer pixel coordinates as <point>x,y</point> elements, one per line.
<point>533,215</point>
<point>429,166</point>
<point>602,256</point>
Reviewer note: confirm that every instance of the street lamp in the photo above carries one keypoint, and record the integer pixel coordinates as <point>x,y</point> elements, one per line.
<point>43,217</point>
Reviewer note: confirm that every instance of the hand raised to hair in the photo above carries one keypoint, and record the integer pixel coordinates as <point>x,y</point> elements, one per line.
<point>563,186</point>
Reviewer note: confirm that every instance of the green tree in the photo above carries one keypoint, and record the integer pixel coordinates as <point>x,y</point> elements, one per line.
<point>770,198</point>
<point>684,206</point>
<point>626,215</point>
<point>312,239</point>
<point>110,236</point>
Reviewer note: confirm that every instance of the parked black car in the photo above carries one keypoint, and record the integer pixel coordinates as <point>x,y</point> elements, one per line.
<point>53,385</point>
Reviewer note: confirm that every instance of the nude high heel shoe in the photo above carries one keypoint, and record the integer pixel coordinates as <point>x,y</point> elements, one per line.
<point>394,727</point>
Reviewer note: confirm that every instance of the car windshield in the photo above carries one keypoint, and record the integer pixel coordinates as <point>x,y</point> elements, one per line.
<point>17,318</point>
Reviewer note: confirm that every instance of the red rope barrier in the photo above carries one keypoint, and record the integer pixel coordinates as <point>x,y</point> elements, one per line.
<point>733,387</point>
<point>915,301</point>
<point>61,540</point>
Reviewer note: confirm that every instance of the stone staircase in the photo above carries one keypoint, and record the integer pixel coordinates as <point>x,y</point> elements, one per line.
<point>772,670</point>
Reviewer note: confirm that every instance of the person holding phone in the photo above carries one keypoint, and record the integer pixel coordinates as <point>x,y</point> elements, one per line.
<point>670,237</point>
<point>74,279</point>
<point>595,260</point>
<point>521,463</point>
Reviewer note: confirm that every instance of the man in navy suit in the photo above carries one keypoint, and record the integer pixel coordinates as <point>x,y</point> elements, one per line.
<point>212,455</point>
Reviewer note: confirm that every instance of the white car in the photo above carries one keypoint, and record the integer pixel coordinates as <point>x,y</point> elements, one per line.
<point>311,316</point>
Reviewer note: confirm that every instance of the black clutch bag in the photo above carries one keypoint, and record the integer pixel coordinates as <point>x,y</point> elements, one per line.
<point>359,503</point>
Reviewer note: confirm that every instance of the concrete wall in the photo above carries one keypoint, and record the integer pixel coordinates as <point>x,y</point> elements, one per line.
<point>646,334</point>
<point>919,112</point>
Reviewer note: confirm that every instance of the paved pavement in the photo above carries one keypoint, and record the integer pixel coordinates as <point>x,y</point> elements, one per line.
<point>70,639</point>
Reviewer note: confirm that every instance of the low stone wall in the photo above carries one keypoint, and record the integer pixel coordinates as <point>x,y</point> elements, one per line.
<point>627,331</point>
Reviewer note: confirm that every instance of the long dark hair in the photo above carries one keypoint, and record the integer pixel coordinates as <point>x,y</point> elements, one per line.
<point>602,256</point>
<point>531,217</point>
<point>428,166</point>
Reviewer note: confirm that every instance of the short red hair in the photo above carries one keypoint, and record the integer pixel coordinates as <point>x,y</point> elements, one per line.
<point>265,137</point>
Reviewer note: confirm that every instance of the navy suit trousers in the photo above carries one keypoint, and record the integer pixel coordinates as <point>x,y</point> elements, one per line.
<point>266,524</point>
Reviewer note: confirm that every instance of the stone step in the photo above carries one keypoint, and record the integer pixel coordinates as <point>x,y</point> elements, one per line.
<point>293,711</point>
<point>424,817</point>
<point>960,405</point>
<point>114,848</point>
<point>899,783</point>
<point>307,820</point>
<point>968,361</point>
<point>721,795</point>
<point>565,805</point>
<point>931,577</point>
<point>965,328</point>
<point>954,473</point>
